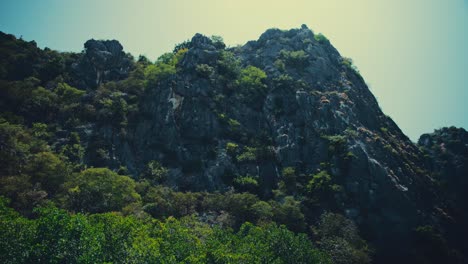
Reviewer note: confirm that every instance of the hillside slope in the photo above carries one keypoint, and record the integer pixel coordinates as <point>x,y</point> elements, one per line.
<point>285,118</point>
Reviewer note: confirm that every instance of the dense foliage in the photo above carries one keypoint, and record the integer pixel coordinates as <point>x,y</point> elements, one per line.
<point>55,236</point>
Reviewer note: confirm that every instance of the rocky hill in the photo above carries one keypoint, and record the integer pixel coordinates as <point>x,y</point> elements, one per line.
<point>285,118</point>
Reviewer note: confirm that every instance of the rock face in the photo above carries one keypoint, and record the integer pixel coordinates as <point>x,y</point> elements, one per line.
<point>446,153</point>
<point>314,113</point>
<point>447,150</point>
<point>103,60</point>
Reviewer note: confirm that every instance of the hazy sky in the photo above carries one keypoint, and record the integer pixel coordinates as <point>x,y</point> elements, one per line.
<point>412,53</point>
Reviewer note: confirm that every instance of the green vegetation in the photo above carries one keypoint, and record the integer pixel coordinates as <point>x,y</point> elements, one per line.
<point>248,155</point>
<point>336,144</point>
<point>218,42</point>
<point>251,78</point>
<point>233,124</point>
<point>319,185</point>
<point>289,180</point>
<point>56,236</point>
<point>246,183</point>
<point>348,63</point>
<point>335,140</point>
<point>231,148</point>
<point>228,66</point>
<point>232,127</point>
<point>155,172</point>
<point>204,70</point>
<point>164,67</point>
<point>251,84</point>
<point>298,58</point>
<point>320,38</point>
<point>288,212</point>
<point>280,65</point>
<point>340,239</point>
<point>99,190</point>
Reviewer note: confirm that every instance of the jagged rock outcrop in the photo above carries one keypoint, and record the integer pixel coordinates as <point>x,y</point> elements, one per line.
<point>446,153</point>
<point>102,61</point>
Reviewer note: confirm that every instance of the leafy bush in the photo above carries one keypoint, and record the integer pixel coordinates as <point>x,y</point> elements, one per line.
<point>164,67</point>
<point>348,63</point>
<point>246,183</point>
<point>251,78</point>
<point>298,58</point>
<point>263,211</point>
<point>251,87</point>
<point>320,38</point>
<point>67,94</point>
<point>218,42</point>
<point>231,148</point>
<point>233,124</point>
<point>228,65</point>
<point>288,212</point>
<point>232,127</point>
<point>248,155</point>
<point>204,70</point>
<point>159,71</point>
<point>155,172</point>
<point>335,139</point>
<point>280,65</point>
<point>336,144</point>
<point>319,184</point>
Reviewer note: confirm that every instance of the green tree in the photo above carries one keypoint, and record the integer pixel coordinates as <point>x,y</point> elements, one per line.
<point>48,170</point>
<point>288,212</point>
<point>61,237</point>
<point>289,180</point>
<point>16,146</point>
<point>251,78</point>
<point>43,103</point>
<point>320,38</point>
<point>155,172</point>
<point>339,238</point>
<point>73,150</point>
<point>67,94</point>
<point>165,66</point>
<point>16,235</point>
<point>320,186</point>
<point>251,85</point>
<point>228,65</point>
<point>246,183</point>
<point>98,190</point>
